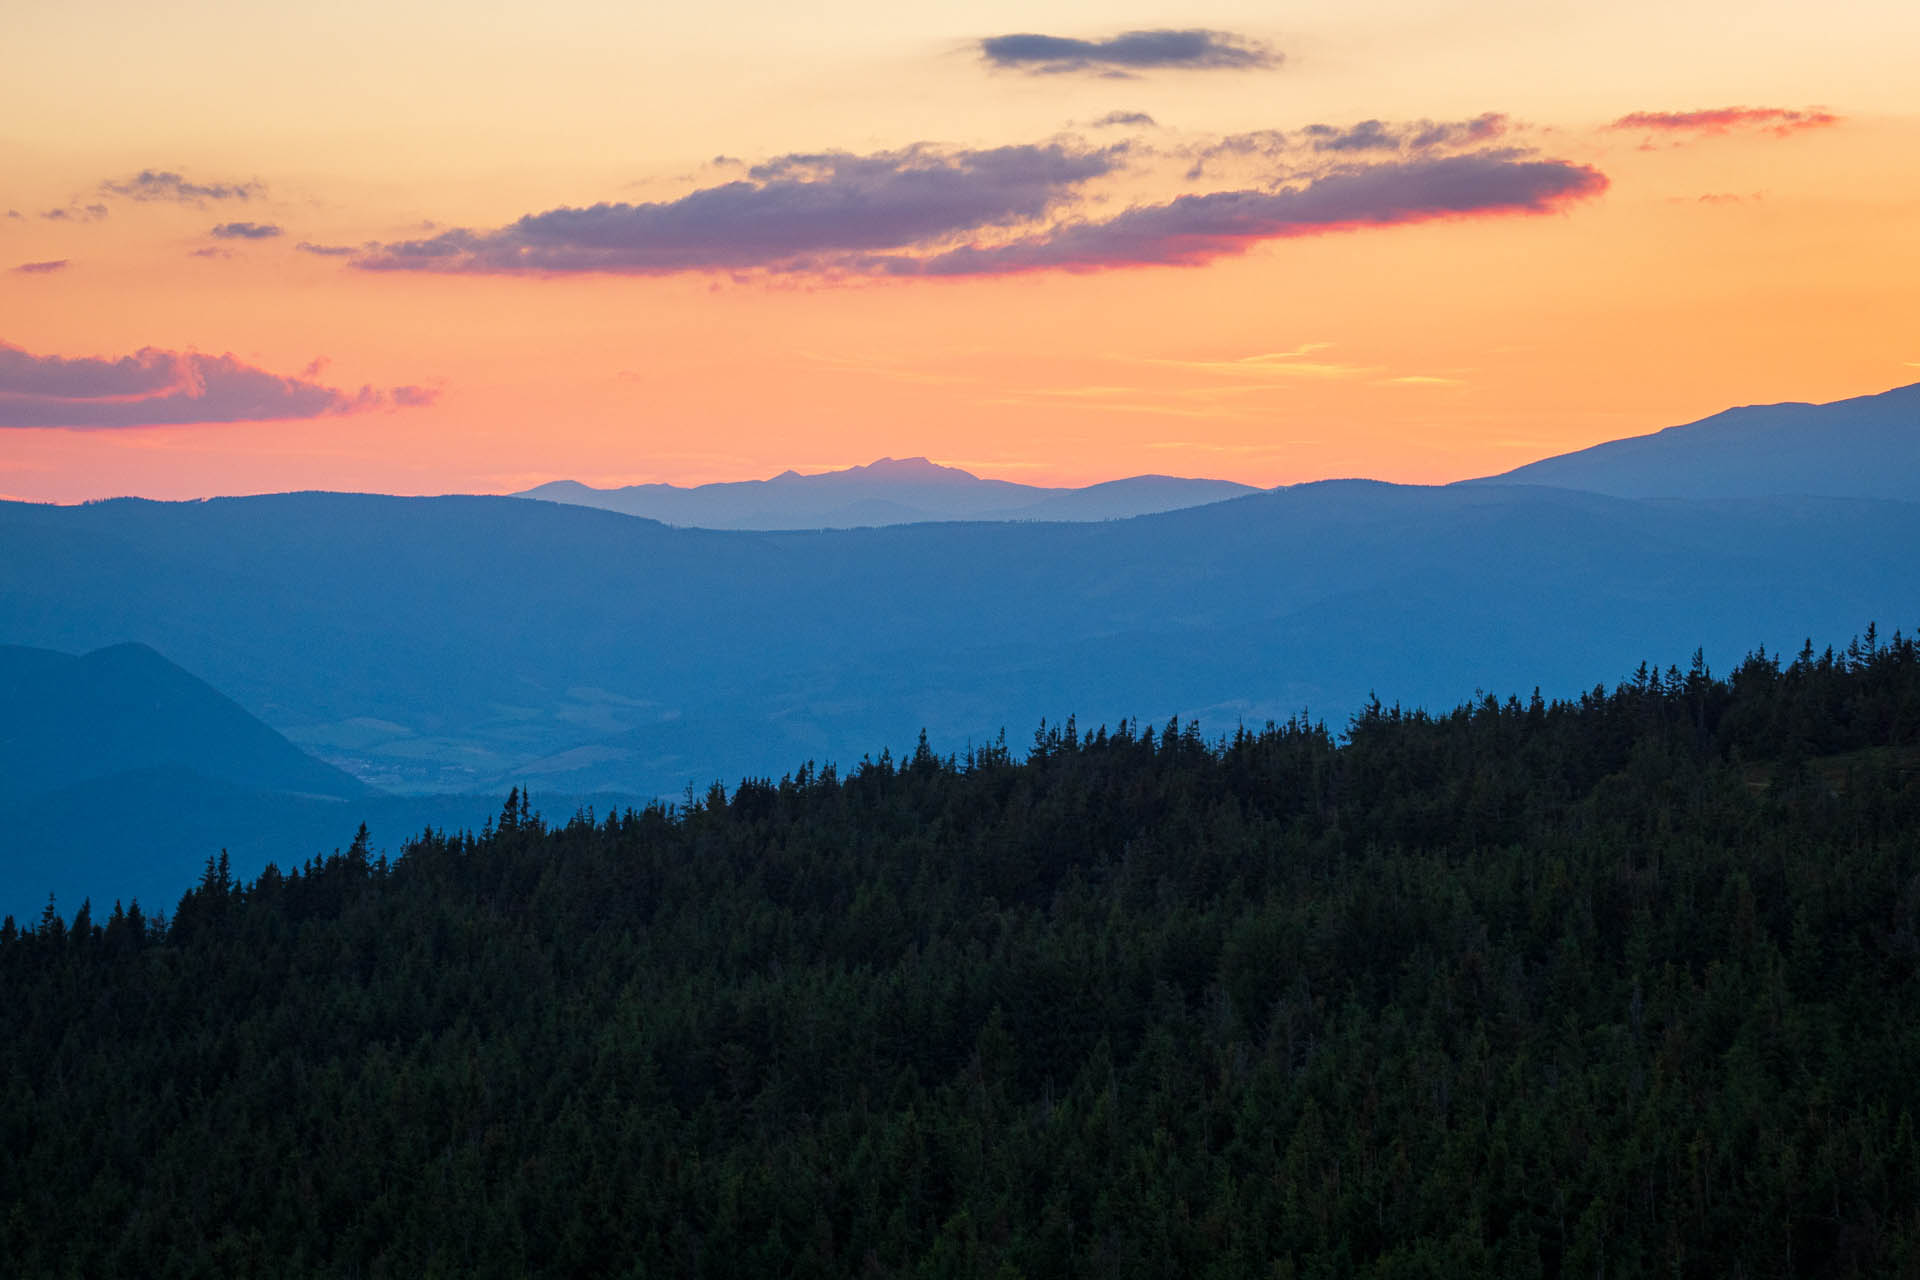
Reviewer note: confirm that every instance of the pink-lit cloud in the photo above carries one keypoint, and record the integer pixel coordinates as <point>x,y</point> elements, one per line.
<point>1196,229</point>
<point>153,387</point>
<point>1778,121</point>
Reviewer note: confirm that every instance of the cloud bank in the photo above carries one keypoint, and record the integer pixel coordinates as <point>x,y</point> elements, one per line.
<point>1130,52</point>
<point>153,387</point>
<point>787,213</point>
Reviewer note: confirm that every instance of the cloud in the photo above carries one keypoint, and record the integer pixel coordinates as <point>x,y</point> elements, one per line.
<point>1424,135</point>
<point>1417,137</point>
<point>42,268</point>
<point>928,211</point>
<point>154,184</point>
<point>1195,229</point>
<point>414,397</point>
<point>1192,49</point>
<point>245,231</point>
<point>76,213</point>
<point>785,214</point>
<point>1720,120</point>
<point>1124,120</point>
<point>210,251</point>
<point>326,250</point>
<point>152,387</point>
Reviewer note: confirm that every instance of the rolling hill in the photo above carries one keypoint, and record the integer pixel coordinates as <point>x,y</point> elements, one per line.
<point>463,644</point>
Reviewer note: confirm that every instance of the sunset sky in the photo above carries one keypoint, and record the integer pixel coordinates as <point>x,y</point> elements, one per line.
<point>421,247</point>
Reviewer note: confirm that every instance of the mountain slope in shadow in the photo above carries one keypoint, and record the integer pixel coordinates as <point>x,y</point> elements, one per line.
<point>1865,447</point>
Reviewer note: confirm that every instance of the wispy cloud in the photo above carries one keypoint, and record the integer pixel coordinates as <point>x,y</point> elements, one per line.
<point>1369,138</point>
<point>159,184</point>
<point>153,387</point>
<point>326,250</point>
<point>1273,365</point>
<point>1777,121</point>
<point>1130,52</point>
<point>76,213</point>
<point>245,231</point>
<point>1124,120</point>
<point>42,268</point>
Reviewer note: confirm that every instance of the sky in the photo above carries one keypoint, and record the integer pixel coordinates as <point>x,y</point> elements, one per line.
<point>421,247</point>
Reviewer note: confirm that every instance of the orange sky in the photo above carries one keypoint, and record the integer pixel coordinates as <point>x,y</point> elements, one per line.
<point>1726,260</point>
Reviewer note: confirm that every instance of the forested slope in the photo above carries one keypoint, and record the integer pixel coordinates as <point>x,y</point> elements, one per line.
<point>1612,986</point>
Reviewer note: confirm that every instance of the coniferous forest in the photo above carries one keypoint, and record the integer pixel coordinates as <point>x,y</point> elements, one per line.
<point>1621,985</point>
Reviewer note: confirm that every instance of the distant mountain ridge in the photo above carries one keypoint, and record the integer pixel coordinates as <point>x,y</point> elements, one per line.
<point>1863,447</point>
<point>886,492</point>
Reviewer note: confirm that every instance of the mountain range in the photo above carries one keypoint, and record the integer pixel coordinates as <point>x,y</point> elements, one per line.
<point>887,492</point>
<point>435,651</point>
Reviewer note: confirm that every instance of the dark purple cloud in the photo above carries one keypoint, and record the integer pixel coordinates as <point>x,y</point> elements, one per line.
<point>156,184</point>
<point>152,387</point>
<point>788,213</point>
<point>1192,49</point>
<point>245,231</point>
<point>42,268</point>
<point>326,250</point>
<point>1124,120</point>
<point>1196,229</point>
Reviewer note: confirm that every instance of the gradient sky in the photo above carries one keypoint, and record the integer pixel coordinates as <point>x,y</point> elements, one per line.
<point>424,247</point>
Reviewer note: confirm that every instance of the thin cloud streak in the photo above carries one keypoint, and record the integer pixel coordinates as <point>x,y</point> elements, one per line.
<point>1720,120</point>
<point>245,231</point>
<point>165,185</point>
<point>153,387</point>
<point>42,268</point>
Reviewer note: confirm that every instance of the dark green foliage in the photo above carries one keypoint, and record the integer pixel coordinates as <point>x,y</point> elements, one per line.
<point>1619,986</point>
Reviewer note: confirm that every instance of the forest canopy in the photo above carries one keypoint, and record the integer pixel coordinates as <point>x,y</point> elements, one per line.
<point>1612,985</point>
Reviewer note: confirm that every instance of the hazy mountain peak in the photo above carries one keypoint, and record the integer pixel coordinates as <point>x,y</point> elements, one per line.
<point>887,491</point>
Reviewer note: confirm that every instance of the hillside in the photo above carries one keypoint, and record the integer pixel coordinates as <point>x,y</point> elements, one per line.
<point>1619,985</point>
<point>66,720</point>
<point>1865,447</point>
